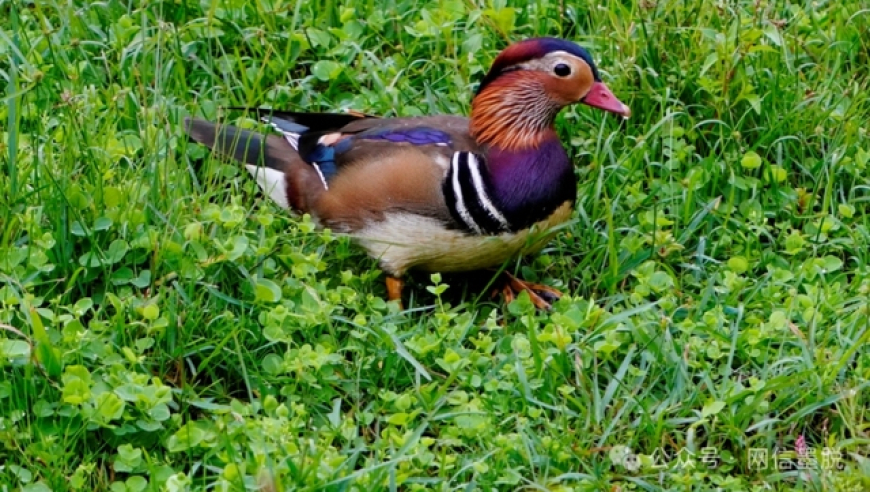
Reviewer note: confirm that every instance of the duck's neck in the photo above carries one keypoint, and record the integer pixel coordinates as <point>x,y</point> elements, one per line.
<point>530,172</point>
<point>512,113</point>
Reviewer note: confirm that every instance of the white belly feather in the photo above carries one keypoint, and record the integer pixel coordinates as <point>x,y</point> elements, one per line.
<point>428,246</point>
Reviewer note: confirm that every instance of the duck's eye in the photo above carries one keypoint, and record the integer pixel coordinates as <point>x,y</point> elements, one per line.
<point>562,70</point>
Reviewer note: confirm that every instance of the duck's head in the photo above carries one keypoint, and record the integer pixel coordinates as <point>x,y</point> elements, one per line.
<point>527,85</point>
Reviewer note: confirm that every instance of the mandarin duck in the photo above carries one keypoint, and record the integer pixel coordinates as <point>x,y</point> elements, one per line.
<point>435,193</point>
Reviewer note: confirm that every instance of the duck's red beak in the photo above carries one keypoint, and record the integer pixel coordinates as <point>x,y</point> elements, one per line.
<point>600,97</point>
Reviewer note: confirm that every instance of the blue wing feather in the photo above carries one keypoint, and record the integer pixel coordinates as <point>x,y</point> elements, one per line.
<point>322,147</point>
<point>312,148</point>
<point>414,136</point>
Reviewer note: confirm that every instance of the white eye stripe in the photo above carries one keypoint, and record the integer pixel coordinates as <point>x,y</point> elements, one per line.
<point>548,62</point>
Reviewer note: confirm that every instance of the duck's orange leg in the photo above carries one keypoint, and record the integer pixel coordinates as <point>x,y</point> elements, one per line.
<point>542,296</point>
<point>394,289</point>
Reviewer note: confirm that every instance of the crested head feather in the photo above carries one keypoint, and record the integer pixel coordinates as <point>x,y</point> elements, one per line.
<point>531,49</point>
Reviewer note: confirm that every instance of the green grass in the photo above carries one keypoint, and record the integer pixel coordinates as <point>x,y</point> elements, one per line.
<point>164,327</point>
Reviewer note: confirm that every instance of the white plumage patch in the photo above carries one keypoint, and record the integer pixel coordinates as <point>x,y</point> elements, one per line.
<point>461,208</point>
<point>442,162</point>
<point>272,182</point>
<point>320,173</point>
<point>468,197</point>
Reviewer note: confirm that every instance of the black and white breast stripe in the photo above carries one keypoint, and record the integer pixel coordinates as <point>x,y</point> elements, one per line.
<point>467,193</point>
